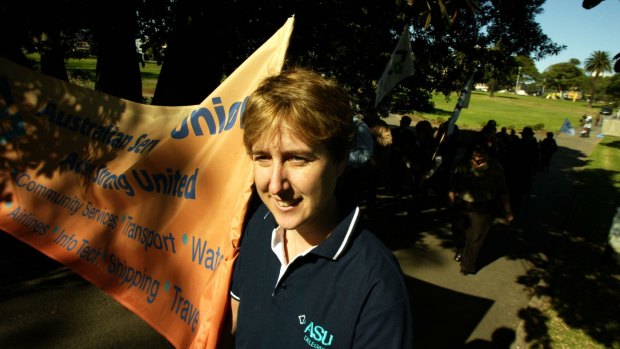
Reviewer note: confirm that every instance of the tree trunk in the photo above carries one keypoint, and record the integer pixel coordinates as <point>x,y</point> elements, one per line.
<point>13,31</point>
<point>491,85</point>
<point>195,55</point>
<point>118,67</point>
<point>52,55</point>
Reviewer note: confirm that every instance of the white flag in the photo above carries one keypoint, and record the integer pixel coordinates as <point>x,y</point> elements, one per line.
<point>567,128</point>
<point>399,67</point>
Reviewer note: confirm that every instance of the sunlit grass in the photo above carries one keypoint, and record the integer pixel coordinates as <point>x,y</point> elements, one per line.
<point>593,282</point>
<point>565,337</point>
<point>512,111</point>
<point>83,72</point>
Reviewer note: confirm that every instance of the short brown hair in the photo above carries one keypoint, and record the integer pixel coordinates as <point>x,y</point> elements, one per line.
<point>316,109</point>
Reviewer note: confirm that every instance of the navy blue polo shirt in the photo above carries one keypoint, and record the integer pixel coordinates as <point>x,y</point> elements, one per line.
<point>347,292</point>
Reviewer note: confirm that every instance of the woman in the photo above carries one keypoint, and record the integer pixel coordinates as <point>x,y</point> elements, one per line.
<point>307,276</point>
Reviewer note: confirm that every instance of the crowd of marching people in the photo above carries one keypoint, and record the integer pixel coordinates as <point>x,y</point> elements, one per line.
<point>415,160</point>
<point>477,175</point>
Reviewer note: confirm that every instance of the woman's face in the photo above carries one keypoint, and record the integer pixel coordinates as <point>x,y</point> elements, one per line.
<point>297,182</point>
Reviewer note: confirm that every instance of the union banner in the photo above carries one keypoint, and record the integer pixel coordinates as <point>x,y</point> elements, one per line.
<point>146,202</point>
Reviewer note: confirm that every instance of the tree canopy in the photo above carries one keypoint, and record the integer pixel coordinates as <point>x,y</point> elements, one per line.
<point>564,76</point>
<point>199,43</point>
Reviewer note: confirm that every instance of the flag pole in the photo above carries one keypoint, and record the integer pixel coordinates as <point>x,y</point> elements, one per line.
<point>462,102</point>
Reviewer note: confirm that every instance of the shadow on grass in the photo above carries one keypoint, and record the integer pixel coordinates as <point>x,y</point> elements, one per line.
<point>504,96</point>
<point>571,273</point>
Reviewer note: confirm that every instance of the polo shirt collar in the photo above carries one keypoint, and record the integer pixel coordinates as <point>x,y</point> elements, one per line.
<point>333,247</point>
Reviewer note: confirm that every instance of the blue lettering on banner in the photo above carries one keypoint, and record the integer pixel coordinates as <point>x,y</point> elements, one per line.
<point>133,277</point>
<point>106,134</point>
<point>85,250</point>
<point>143,144</point>
<point>184,309</point>
<point>100,216</point>
<point>225,121</point>
<point>208,257</point>
<point>147,237</point>
<point>171,182</point>
<point>73,204</point>
<point>101,176</point>
<point>29,220</point>
<point>68,242</point>
<point>89,253</point>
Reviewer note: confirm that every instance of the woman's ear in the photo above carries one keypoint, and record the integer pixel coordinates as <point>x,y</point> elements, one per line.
<point>342,165</point>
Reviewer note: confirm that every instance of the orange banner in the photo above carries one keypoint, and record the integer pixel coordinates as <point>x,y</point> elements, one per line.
<point>146,202</point>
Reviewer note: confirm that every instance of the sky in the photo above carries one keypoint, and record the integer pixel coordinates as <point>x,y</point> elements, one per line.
<point>583,31</point>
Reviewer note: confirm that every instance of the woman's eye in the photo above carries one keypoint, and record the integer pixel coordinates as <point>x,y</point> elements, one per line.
<point>260,158</point>
<point>298,160</point>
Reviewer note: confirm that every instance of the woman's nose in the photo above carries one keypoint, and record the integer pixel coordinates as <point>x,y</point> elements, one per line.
<point>279,179</point>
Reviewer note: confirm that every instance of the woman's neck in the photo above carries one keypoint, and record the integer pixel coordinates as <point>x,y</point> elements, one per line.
<point>300,240</point>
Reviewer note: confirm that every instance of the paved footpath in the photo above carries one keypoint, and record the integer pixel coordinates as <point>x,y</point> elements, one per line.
<point>44,305</point>
<point>477,311</point>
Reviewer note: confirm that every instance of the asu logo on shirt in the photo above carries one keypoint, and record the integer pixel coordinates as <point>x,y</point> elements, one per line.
<point>316,336</point>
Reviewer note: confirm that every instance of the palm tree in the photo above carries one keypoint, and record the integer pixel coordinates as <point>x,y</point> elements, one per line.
<point>598,63</point>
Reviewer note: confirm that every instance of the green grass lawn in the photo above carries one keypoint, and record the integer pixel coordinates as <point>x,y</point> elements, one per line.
<point>83,72</point>
<point>509,110</point>
<point>512,111</point>
<point>590,282</point>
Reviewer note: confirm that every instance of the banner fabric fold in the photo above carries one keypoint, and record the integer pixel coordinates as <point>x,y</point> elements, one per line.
<point>146,202</point>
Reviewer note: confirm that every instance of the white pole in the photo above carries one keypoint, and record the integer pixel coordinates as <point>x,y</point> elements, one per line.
<point>517,84</point>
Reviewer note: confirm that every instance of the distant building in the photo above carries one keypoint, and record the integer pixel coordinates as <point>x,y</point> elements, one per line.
<point>481,87</point>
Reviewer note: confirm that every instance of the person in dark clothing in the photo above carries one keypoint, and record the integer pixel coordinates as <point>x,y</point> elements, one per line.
<point>307,273</point>
<point>377,171</point>
<point>403,143</point>
<point>447,148</point>
<point>524,162</point>
<point>548,147</point>
<point>477,186</point>
<point>421,167</point>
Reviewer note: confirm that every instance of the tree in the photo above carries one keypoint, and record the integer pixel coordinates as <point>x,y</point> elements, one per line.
<point>588,4</point>
<point>563,76</point>
<point>198,46</point>
<point>118,70</point>
<point>529,72</point>
<point>487,41</point>
<point>613,88</point>
<point>200,43</point>
<point>597,64</point>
